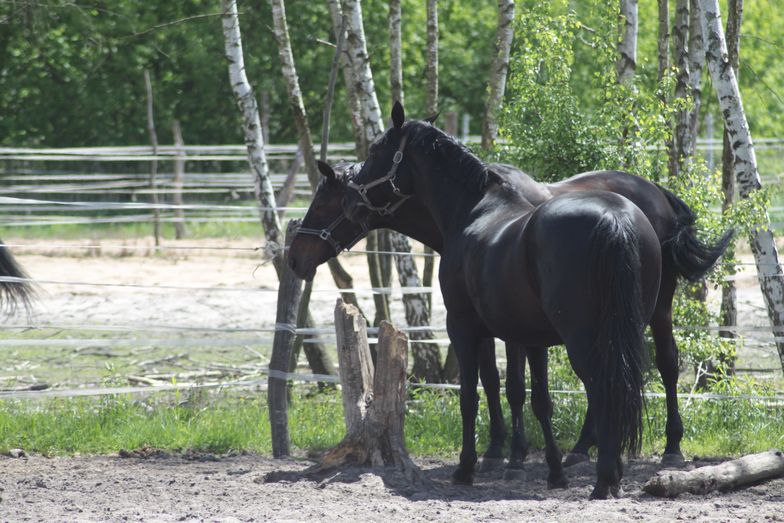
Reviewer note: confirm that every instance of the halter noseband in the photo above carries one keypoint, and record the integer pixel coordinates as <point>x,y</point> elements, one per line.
<point>326,234</point>
<point>362,188</point>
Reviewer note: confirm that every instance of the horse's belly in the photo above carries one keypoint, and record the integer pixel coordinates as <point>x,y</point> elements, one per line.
<point>519,320</point>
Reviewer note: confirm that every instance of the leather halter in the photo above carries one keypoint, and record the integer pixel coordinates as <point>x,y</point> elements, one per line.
<point>362,189</point>
<point>326,234</point>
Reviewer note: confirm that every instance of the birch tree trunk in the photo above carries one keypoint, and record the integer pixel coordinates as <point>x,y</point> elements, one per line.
<point>762,242</point>
<point>729,307</point>
<point>340,276</point>
<point>696,57</point>
<point>339,28</point>
<point>663,44</point>
<point>627,47</point>
<point>432,57</point>
<point>498,71</point>
<point>680,56</point>
<point>395,52</point>
<point>254,141</point>
<point>374,127</point>
<point>281,32</point>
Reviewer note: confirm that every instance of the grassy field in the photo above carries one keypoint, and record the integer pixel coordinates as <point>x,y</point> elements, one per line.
<point>220,423</point>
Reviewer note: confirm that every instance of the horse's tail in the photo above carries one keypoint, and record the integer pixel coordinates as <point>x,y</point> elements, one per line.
<point>619,346</point>
<point>15,288</point>
<point>691,256</point>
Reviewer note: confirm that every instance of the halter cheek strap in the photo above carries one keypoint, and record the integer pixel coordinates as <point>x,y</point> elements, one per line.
<point>362,189</point>
<point>326,234</point>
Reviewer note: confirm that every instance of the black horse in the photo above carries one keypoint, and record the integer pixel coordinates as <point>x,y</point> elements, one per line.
<point>326,233</point>
<point>15,289</point>
<point>581,269</point>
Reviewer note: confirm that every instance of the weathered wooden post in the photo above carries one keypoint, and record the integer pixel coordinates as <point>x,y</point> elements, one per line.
<point>374,402</point>
<point>289,295</point>
<point>179,180</point>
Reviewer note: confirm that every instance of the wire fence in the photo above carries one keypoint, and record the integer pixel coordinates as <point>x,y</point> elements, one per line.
<point>108,185</point>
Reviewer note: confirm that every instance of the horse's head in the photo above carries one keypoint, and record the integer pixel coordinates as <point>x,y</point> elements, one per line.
<point>381,185</point>
<point>324,232</point>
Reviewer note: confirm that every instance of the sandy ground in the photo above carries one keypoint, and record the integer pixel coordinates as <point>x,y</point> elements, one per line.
<point>257,488</point>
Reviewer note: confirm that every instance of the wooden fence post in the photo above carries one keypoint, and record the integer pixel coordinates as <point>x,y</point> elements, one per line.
<point>179,179</point>
<point>289,294</point>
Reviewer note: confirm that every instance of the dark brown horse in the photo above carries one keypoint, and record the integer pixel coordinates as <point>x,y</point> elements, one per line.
<point>581,269</point>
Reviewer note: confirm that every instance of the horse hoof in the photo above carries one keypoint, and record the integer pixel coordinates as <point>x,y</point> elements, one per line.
<point>491,464</point>
<point>514,474</point>
<point>672,459</point>
<point>461,477</point>
<point>561,482</point>
<point>573,458</point>
<point>599,493</point>
<point>616,491</point>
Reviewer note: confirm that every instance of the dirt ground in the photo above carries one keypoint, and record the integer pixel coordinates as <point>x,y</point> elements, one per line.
<point>257,488</point>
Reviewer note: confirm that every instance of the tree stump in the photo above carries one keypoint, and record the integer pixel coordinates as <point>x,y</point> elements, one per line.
<point>725,476</point>
<point>374,407</point>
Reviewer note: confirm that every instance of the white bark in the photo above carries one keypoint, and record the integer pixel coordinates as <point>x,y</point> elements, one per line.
<point>663,38</point>
<point>432,57</point>
<point>498,71</point>
<point>336,13</point>
<point>362,75</point>
<point>680,57</point>
<point>747,176</point>
<point>254,141</point>
<point>627,47</point>
<point>374,127</point>
<point>281,32</point>
<point>696,58</point>
<point>395,52</point>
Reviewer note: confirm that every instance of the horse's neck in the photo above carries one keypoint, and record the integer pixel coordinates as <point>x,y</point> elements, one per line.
<point>414,220</point>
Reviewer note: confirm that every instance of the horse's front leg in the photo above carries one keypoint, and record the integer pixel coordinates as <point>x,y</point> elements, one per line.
<point>493,458</point>
<point>466,341</point>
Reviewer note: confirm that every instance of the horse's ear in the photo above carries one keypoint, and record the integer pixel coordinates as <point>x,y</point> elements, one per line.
<point>432,118</point>
<point>326,171</point>
<point>398,115</point>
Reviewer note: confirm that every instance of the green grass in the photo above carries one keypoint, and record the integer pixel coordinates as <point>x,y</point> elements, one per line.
<point>222,423</point>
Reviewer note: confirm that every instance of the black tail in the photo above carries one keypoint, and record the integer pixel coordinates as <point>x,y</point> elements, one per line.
<point>692,257</point>
<point>619,347</point>
<point>14,289</point>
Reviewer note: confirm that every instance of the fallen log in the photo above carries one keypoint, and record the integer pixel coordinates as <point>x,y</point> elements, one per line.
<point>725,476</point>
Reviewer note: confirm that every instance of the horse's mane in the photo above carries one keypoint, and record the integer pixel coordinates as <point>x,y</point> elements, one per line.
<point>457,160</point>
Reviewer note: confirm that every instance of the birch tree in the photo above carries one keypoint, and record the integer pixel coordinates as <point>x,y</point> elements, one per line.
<point>498,71</point>
<point>696,58</point>
<point>432,57</point>
<point>680,56</point>
<point>729,307</point>
<point>254,141</point>
<point>251,126</point>
<point>426,358</point>
<point>663,38</point>
<point>627,47</point>
<point>395,52</point>
<point>341,277</point>
<point>769,272</point>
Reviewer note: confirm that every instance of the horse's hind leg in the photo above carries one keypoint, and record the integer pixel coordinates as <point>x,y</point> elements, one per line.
<point>543,410</point>
<point>515,395</point>
<point>667,363</point>
<point>587,439</point>
<point>493,458</point>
